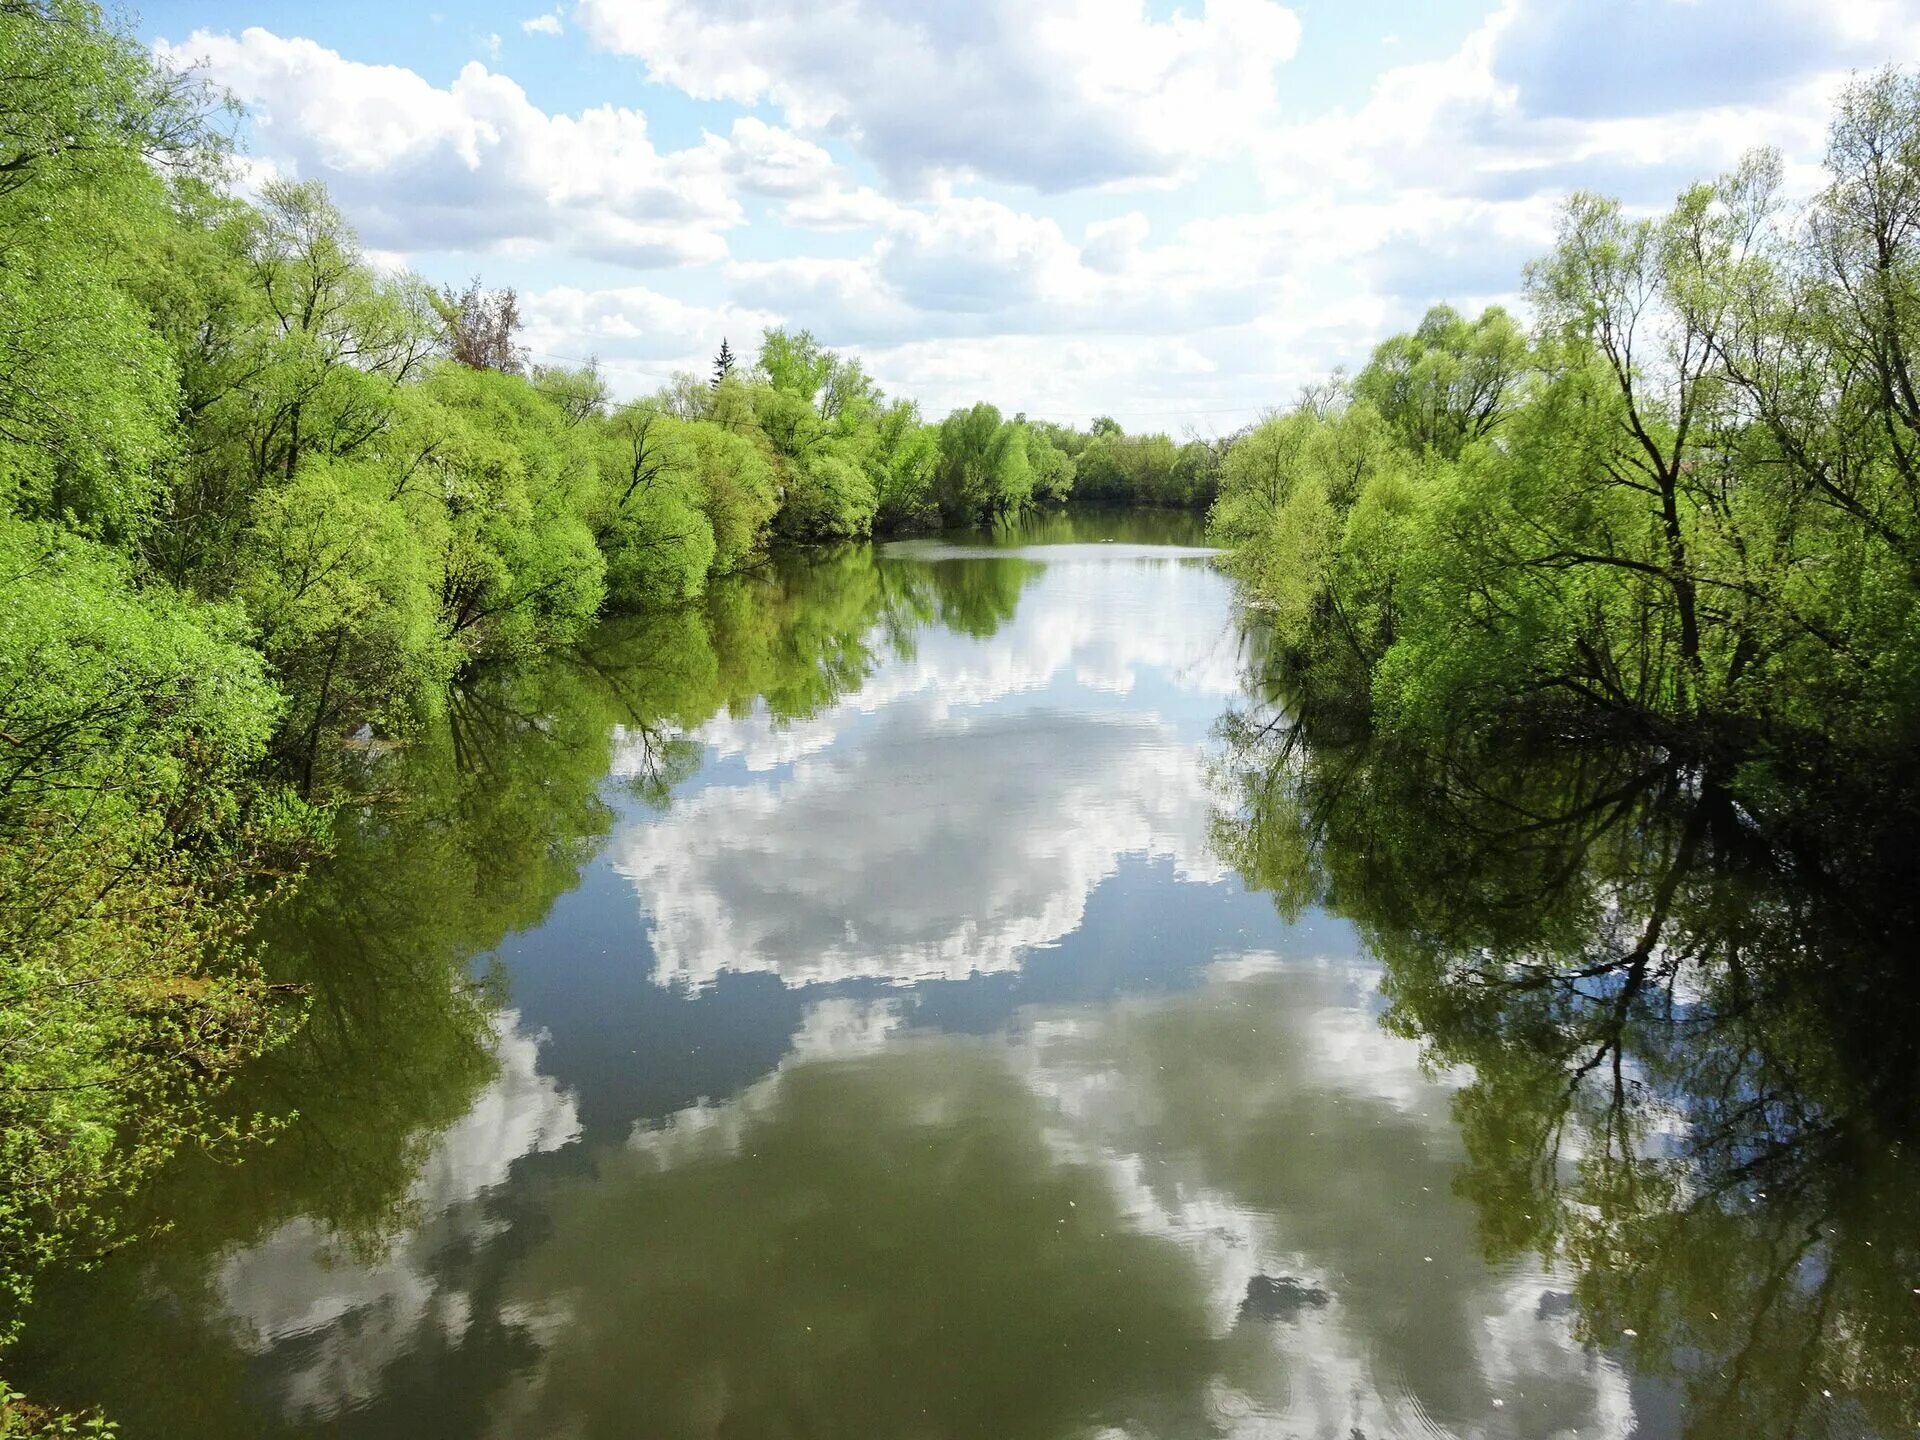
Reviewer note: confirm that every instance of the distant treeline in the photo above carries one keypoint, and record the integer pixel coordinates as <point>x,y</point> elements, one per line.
<point>1685,506</point>
<point>1107,466</point>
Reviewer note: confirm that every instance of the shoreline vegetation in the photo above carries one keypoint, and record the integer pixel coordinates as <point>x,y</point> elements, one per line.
<point>267,506</point>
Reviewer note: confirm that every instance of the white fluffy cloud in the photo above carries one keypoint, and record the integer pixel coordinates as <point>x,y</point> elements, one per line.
<point>1211,322</point>
<point>770,161</point>
<point>971,266</point>
<point>1576,59</point>
<point>1055,94</point>
<point>476,163</point>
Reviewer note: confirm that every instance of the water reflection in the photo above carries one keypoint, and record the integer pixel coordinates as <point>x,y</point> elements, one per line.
<point>340,1318</point>
<point>858,1005</point>
<point>804,1275</point>
<point>957,810</point>
<point>1689,1026</point>
<point>1302,1159</point>
<point>990,834</point>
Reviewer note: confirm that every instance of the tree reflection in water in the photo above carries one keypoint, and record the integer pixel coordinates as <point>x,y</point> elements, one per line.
<point>1690,1034</point>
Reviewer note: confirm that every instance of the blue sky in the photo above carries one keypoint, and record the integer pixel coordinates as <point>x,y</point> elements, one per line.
<point>1172,214</point>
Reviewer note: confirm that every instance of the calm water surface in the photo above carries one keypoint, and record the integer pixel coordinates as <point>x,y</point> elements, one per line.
<point>909,997</point>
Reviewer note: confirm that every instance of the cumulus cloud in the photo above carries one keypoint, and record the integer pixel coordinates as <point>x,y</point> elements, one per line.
<point>1149,382</point>
<point>1112,246</point>
<point>1448,174</point>
<point>841,207</point>
<point>1056,95</point>
<point>476,163</point>
<point>966,299</point>
<point>1218,315</point>
<point>1466,251</point>
<point>1440,184</point>
<point>972,266</point>
<point>543,24</point>
<point>771,161</point>
<point>1548,96</point>
<point>972,254</point>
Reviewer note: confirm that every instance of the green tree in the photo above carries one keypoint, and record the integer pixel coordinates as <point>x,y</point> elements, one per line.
<point>1684,510</point>
<point>901,464</point>
<point>344,604</point>
<point>1052,467</point>
<point>984,469</point>
<point>87,395</point>
<point>648,520</point>
<point>794,364</point>
<point>1450,382</point>
<point>737,493</point>
<point>517,567</point>
<point>130,723</point>
<point>581,395</point>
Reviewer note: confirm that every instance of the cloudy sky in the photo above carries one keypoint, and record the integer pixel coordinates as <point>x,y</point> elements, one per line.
<point>1175,215</point>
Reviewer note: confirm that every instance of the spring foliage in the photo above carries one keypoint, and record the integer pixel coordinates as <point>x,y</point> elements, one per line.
<point>1683,505</point>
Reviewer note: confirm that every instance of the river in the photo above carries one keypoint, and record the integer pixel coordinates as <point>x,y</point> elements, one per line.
<point>925,992</point>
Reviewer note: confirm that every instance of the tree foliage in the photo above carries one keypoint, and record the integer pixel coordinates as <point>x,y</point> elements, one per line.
<point>1684,506</point>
